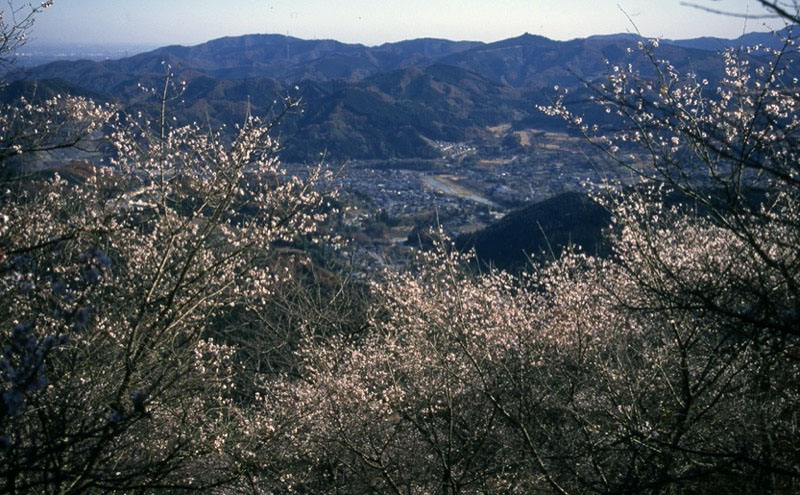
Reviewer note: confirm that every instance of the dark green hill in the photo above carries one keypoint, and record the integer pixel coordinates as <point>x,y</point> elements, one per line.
<point>545,228</point>
<point>541,229</point>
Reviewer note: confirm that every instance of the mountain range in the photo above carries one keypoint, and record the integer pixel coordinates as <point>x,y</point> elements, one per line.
<point>380,102</point>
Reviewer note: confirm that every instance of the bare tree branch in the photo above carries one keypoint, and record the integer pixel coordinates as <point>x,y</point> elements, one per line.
<point>780,10</point>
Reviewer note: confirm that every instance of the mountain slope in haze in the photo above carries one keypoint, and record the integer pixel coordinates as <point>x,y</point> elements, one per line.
<point>279,57</point>
<point>766,39</point>
<point>530,61</point>
<point>524,61</point>
<point>774,40</point>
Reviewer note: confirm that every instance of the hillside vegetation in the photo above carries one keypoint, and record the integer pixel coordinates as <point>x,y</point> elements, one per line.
<point>182,311</point>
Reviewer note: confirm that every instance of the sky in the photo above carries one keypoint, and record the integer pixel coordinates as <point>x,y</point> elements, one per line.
<point>372,22</point>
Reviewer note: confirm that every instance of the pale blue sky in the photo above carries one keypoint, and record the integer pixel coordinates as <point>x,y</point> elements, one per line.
<point>373,22</point>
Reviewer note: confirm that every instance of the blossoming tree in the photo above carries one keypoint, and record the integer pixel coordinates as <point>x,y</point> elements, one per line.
<point>113,280</point>
<point>670,366</point>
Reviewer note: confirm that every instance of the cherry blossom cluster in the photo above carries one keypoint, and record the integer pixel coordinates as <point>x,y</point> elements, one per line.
<point>112,283</point>
<point>671,364</point>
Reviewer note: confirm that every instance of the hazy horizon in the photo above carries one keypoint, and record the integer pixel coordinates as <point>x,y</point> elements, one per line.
<point>184,22</point>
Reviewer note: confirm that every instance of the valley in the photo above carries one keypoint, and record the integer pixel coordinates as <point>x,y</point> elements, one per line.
<point>417,134</point>
<point>462,193</point>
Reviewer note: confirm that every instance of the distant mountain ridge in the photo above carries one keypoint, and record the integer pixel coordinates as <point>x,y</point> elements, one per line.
<point>289,60</point>
<point>768,39</point>
<point>379,102</point>
<point>284,58</point>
